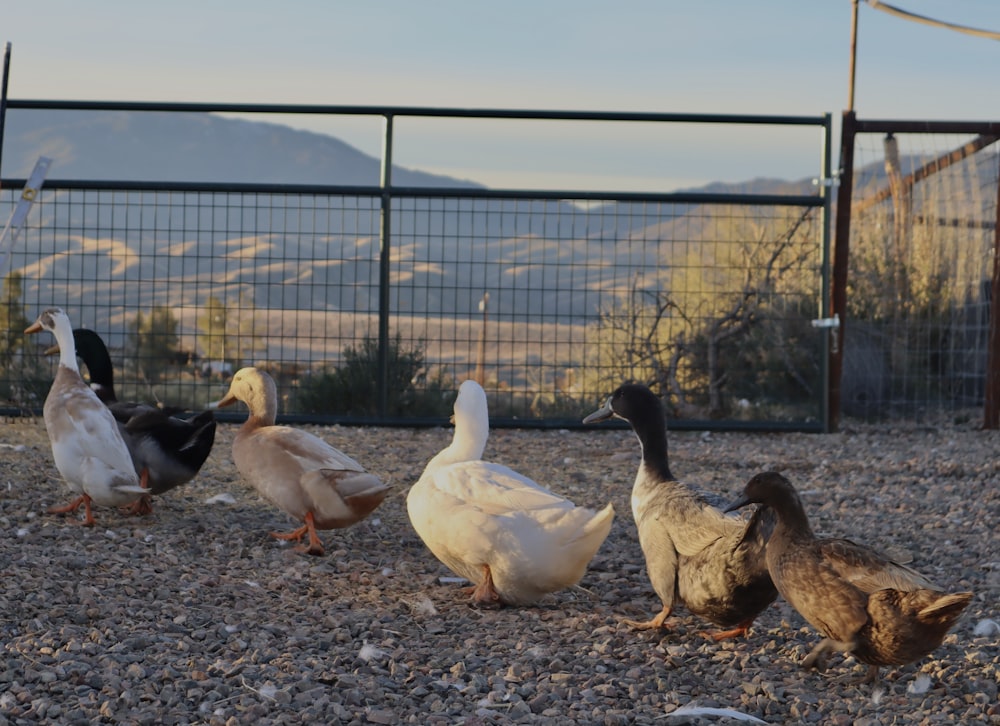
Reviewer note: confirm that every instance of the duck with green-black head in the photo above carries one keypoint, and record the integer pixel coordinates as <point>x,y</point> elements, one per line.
<point>695,554</point>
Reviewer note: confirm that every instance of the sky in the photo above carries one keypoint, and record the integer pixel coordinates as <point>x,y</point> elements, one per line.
<point>784,57</point>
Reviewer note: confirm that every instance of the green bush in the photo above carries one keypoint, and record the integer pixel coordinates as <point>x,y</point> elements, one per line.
<point>352,389</point>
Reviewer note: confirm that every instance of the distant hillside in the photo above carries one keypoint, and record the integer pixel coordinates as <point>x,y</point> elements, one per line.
<point>194,147</point>
<point>536,257</point>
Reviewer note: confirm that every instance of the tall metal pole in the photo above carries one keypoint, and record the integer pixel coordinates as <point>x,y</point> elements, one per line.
<point>827,183</point>
<point>3,98</point>
<point>842,239</point>
<point>854,54</point>
<point>385,248</point>
<point>991,404</point>
<point>841,255</point>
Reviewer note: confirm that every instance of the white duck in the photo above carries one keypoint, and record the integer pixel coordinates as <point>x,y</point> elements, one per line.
<point>512,537</point>
<point>87,446</point>
<point>297,472</point>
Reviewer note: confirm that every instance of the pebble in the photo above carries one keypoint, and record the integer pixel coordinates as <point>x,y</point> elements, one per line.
<point>194,615</point>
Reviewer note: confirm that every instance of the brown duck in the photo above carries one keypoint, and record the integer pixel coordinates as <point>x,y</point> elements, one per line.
<point>863,603</point>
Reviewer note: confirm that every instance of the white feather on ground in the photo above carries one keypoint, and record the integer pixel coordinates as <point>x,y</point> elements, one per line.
<point>695,711</point>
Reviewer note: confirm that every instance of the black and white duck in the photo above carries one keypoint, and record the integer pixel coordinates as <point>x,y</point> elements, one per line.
<point>87,444</point>
<point>712,562</point>
<point>167,450</point>
<point>882,612</point>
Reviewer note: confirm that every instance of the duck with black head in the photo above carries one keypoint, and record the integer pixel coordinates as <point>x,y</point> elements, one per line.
<point>695,554</point>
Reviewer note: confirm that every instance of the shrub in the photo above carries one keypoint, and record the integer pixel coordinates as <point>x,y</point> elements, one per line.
<point>352,389</point>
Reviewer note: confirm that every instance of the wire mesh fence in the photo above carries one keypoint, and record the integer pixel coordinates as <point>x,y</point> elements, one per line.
<point>371,302</point>
<point>923,221</point>
<point>550,302</point>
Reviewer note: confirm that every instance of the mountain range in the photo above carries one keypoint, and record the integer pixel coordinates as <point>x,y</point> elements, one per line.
<point>317,253</point>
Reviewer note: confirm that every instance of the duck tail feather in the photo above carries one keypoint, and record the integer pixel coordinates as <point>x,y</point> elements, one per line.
<point>947,607</point>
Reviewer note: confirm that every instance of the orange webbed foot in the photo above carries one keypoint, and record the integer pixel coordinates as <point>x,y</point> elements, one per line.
<point>485,595</point>
<point>735,632</point>
<point>144,504</point>
<point>659,621</point>
<point>315,546</point>
<point>88,519</point>
<point>141,507</point>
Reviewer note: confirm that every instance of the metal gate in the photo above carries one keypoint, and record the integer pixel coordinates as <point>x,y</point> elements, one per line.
<point>369,302</point>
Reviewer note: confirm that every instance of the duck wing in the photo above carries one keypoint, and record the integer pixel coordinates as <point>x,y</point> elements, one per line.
<point>171,450</point>
<point>697,525</point>
<point>867,570</point>
<point>495,490</point>
<point>174,434</point>
<point>339,498</point>
<point>85,439</point>
<point>281,446</point>
<point>125,411</point>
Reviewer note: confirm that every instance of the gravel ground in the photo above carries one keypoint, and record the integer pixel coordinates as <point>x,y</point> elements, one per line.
<point>194,615</point>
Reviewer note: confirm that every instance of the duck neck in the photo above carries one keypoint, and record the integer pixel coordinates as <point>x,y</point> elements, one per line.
<point>467,444</point>
<point>263,405</point>
<point>265,415</point>
<point>792,519</point>
<point>99,368</point>
<point>652,434</point>
<point>67,346</point>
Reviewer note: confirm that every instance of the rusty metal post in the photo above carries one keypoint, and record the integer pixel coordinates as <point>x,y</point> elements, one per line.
<point>991,404</point>
<point>841,255</point>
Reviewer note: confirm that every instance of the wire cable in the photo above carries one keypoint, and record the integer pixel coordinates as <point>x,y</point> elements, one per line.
<point>907,15</point>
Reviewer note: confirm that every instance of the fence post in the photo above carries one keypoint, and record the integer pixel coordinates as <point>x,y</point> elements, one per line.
<point>385,248</point>
<point>991,404</point>
<point>828,182</point>
<point>841,255</point>
<point>3,97</point>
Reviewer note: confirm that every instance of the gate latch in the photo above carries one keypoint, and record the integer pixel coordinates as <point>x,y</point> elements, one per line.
<point>831,324</point>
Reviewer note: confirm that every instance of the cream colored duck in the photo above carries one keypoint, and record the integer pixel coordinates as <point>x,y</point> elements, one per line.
<point>297,472</point>
<point>87,446</point>
<point>512,537</point>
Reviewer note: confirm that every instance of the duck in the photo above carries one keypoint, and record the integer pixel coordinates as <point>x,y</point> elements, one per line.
<point>87,445</point>
<point>167,450</point>
<point>514,539</point>
<point>712,562</point>
<point>882,612</point>
<point>297,472</point>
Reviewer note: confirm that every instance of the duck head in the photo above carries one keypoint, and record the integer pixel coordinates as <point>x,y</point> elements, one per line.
<point>48,320</point>
<point>57,322</point>
<point>256,389</point>
<point>629,402</point>
<point>768,488</point>
<point>90,348</point>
